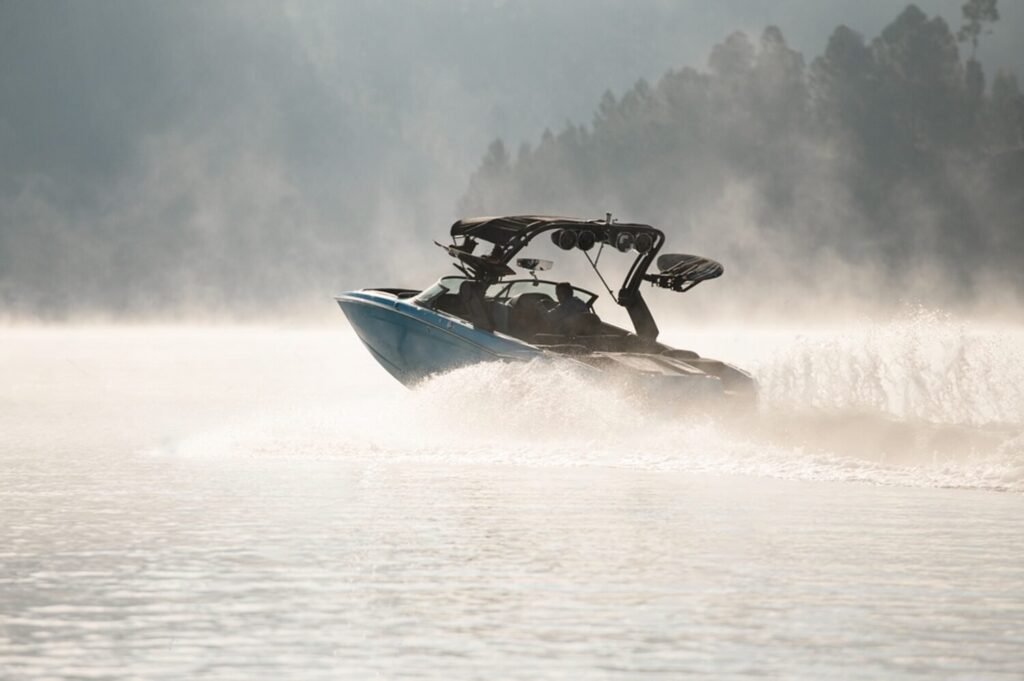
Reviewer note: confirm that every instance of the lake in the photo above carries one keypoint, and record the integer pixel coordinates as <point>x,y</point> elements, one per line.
<point>265,503</point>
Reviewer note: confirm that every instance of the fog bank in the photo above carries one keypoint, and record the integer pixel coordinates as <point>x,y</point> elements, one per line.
<point>166,159</point>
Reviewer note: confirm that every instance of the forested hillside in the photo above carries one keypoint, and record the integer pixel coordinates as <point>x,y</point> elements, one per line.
<point>889,162</point>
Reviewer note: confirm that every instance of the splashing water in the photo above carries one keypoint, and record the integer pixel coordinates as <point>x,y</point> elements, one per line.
<point>925,367</point>
<point>922,401</point>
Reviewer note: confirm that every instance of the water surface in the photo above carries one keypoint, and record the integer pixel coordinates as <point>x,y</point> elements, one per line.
<point>265,503</point>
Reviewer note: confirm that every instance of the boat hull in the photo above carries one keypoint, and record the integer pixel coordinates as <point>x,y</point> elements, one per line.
<point>412,342</point>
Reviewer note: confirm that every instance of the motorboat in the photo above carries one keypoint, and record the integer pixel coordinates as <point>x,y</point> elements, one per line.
<point>489,312</point>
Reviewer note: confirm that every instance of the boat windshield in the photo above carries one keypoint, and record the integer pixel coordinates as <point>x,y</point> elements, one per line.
<point>506,290</point>
<point>502,291</point>
<point>444,285</point>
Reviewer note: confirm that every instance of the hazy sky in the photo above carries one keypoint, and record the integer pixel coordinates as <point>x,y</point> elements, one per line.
<point>340,118</point>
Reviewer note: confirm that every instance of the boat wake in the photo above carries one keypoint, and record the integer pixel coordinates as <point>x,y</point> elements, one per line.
<point>922,401</point>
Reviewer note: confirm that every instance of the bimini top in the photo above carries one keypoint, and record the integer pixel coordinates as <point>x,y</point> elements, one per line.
<point>508,229</point>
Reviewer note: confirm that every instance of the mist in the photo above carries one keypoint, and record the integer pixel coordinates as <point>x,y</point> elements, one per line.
<point>251,159</point>
<point>813,468</point>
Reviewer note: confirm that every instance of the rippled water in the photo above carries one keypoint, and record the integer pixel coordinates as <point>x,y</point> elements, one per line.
<point>258,503</point>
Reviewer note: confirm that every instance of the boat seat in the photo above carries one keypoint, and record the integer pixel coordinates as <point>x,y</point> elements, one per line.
<point>527,314</point>
<point>476,313</point>
<point>501,314</point>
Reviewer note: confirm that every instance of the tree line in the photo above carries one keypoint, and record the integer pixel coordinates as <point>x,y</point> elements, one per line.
<point>895,157</point>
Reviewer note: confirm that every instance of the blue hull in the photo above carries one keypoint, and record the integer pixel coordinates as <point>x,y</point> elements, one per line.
<point>412,342</point>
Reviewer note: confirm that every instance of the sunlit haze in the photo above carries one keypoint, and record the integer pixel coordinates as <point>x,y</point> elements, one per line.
<point>255,424</point>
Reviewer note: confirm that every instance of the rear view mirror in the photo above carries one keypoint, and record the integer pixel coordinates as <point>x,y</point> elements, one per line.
<point>534,264</point>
